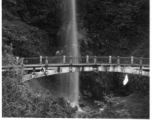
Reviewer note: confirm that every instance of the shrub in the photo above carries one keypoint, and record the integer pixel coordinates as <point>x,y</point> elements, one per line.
<point>18,100</point>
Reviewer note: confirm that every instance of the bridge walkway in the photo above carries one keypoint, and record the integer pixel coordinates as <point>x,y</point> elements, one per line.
<point>65,64</point>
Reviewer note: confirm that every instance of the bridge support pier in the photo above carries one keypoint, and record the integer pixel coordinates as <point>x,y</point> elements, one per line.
<point>82,69</point>
<point>105,68</point>
<point>95,68</point>
<point>58,69</point>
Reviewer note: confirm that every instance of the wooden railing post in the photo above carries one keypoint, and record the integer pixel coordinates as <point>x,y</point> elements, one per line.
<point>118,60</point>
<point>70,59</point>
<point>40,59</point>
<point>64,59</point>
<point>140,60</point>
<point>46,60</point>
<point>110,57</point>
<point>95,59</point>
<point>87,59</point>
<point>132,60</point>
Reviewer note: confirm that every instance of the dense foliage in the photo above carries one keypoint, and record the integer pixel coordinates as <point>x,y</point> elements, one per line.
<point>105,27</point>
<point>20,101</point>
<point>97,85</point>
<point>114,27</point>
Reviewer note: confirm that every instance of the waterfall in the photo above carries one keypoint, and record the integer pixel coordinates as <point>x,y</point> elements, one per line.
<point>72,42</point>
<point>70,82</point>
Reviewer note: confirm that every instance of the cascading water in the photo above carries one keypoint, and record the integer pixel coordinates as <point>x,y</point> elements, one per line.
<point>70,82</point>
<point>72,43</point>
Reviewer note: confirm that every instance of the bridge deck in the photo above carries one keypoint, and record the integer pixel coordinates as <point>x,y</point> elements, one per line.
<point>50,71</point>
<point>58,65</point>
<point>77,65</point>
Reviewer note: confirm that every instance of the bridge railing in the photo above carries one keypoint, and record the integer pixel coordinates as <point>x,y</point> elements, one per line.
<point>141,61</point>
<point>55,60</point>
<point>103,60</point>
<point>125,60</point>
<point>11,61</point>
<point>32,60</point>
<point>114,60</point>
<point>68,59</point>
<point>84,59</point>
<point>91,59</point>
<point>145,61</point>
<point>136,61</point>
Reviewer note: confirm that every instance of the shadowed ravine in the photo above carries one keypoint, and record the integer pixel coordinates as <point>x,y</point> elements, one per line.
<point>135,105</point>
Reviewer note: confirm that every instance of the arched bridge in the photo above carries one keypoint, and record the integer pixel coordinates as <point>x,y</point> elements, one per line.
<point>43,66</point>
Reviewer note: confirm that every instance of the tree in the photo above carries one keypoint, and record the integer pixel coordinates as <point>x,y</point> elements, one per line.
<point>114,27</point>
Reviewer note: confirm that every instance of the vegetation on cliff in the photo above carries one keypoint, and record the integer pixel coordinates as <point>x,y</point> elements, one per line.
<point>105,27</point>
<point>19,100</point>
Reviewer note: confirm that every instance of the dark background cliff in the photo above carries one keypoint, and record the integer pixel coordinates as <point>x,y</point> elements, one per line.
<point>105,27</point>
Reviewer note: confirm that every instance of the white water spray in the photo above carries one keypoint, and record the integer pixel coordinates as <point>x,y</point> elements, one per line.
<point>125,80</point>
<point>74,51</point>
<point>70,81</point>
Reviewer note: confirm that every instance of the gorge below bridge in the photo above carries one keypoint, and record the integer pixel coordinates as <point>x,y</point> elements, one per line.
<point>36,67</point>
